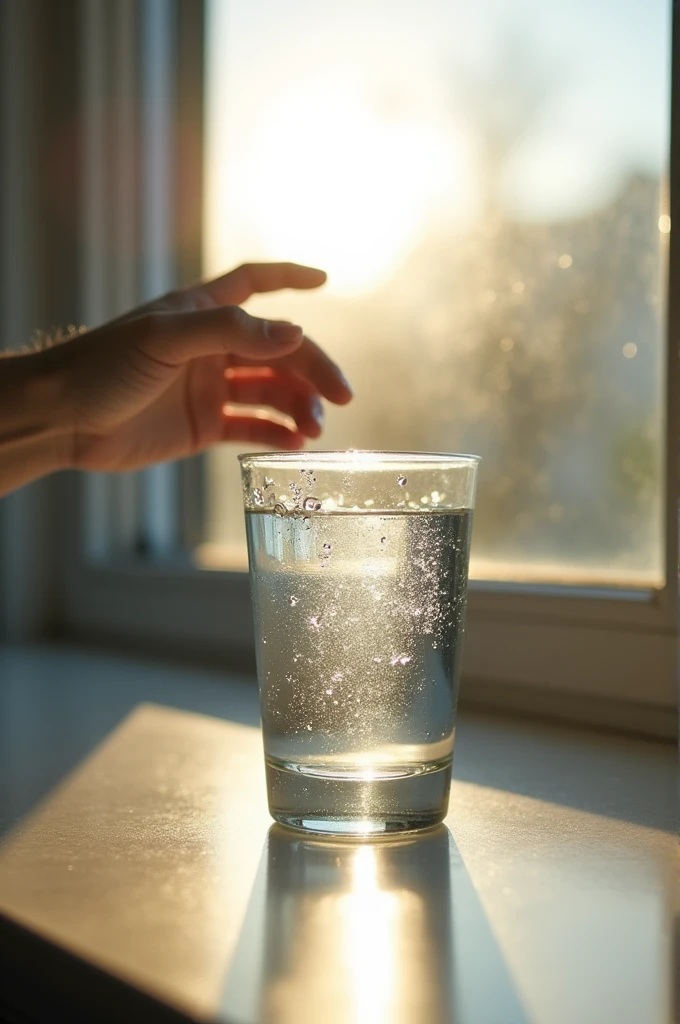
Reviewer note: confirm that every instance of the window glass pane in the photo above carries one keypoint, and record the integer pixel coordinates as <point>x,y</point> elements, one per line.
<point>484,184</point>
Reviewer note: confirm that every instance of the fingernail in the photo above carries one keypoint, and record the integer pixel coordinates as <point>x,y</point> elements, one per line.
<point>316,410</point>
<point>344,381</point>
<point>281,330</point>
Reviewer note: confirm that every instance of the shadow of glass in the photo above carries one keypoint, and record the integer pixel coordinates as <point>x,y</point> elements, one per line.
<point>351,930</point>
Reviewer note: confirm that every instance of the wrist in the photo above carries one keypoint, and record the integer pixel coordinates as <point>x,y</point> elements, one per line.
<point>35,422</point>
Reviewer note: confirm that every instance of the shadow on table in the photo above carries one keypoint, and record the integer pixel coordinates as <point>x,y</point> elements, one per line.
<point>349,930</point>
<point>617,777</point>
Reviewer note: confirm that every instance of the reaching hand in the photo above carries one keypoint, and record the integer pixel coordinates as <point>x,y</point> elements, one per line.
<point>167,379</point>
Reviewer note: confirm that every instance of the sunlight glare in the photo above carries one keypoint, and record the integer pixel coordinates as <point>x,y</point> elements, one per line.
<point>329,180</point>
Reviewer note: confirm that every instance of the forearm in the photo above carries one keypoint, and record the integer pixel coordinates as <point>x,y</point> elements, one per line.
<point>35,435</point>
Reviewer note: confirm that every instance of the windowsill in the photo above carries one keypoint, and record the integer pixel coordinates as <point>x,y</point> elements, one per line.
<point>560,862</point>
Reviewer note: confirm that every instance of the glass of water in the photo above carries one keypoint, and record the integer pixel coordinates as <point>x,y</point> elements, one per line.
<point>358,569</point>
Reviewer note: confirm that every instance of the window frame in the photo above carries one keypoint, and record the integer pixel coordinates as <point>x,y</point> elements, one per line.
<point>603,656</point>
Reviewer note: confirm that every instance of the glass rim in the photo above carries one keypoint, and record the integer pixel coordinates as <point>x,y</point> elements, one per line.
<point>338,456</point>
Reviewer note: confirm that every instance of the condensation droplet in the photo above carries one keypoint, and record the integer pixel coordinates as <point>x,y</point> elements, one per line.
<point>337,677</point>
<point>309,728</point>
<point>400,659</point>
<point>293,600</point>
<point>377,660</point>
<point>311,504</point>
<point>327,546</point>
<point>315,621</point>
<point>268,482</point>
<point>383,540</point>
<point>402,481</point>
<point>329,692</point>
<point>258,496</point>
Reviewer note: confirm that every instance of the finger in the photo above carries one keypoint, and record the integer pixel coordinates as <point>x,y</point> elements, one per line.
<point>172,339</point>
<point>251,278</point>
<point>260,430</point>
<point>286,393</point>
<point>311,363</point>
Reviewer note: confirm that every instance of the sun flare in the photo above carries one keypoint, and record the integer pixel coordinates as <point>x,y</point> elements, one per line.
<point>330,179</point>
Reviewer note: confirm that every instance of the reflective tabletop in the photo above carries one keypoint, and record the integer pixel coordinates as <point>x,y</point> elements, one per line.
<point>152,885</point>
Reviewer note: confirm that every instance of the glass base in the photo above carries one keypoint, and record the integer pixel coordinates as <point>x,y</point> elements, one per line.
<point>338,805</point>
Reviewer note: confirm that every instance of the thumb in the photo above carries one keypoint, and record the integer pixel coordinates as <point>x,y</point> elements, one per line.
<point>175,338</point>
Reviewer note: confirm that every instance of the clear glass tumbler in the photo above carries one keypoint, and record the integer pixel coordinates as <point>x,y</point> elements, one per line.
<point>358,569</point>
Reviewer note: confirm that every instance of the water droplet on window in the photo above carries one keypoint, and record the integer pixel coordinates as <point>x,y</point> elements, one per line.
<point>402,481</point>
<point>311,504</point>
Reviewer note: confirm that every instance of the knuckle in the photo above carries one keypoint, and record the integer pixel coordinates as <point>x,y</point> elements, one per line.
<point>245,271</point>
<point>152,325</point>
<point>237,319</point>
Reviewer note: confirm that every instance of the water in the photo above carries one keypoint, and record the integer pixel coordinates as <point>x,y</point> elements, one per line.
<point>359,618</point>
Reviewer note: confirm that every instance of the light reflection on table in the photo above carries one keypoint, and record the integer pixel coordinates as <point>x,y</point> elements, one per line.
<point>398,919</point>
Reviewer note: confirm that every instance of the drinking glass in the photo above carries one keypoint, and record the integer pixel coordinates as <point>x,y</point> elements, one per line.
<point>358,568</point>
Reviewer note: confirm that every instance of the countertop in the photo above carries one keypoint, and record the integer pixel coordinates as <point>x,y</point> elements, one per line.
<point>141,877</point>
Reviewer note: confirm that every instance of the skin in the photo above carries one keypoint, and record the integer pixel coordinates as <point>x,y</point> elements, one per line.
<point>168,380</point>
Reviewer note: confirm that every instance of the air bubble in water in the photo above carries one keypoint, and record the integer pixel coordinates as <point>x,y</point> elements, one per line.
<point>311,504</point>
<point>400,659</point>
<point>293,600</point>
<point>402,481</point>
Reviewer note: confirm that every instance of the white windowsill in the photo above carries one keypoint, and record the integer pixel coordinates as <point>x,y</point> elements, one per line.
<point>564,834</point>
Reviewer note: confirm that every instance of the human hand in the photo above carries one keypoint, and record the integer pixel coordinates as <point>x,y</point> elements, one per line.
<point>167,379</point>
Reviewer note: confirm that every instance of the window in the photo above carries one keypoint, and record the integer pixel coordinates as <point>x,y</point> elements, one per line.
<point>487,188</point>
<point>484,185</point>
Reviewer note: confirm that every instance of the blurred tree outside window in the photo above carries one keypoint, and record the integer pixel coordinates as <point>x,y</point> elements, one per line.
<point>485,187</point>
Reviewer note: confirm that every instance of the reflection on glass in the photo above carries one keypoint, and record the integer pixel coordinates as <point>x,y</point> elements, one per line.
<point>366,933</point>
<point>483,183</point>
